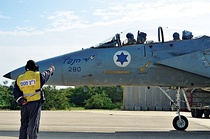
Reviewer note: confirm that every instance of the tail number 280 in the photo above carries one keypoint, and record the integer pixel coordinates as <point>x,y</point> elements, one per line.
<point>74,69</point>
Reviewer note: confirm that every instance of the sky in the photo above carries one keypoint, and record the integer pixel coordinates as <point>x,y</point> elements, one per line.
<point>40,29</point>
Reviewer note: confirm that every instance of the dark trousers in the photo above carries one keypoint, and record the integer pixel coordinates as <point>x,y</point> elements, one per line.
<point>30,117</point>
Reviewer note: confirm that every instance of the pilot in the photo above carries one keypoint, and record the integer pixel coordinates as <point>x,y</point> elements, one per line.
<point>130,39</point>
<point>29,96</point>
<point>176,36</point>
<point>141,37</point>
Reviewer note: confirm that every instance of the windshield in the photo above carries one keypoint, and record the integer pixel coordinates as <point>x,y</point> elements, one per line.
<point>111,42</point>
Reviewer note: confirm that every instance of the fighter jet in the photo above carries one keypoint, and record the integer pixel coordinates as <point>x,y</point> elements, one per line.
<point>178,63</point>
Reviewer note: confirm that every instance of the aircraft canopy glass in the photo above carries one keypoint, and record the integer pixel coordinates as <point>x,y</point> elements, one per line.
<point>111,42</point>
<point>146,36</point>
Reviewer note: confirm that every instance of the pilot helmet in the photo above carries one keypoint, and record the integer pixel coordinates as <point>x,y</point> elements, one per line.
<point>130,36</point>
<point>176,36</point>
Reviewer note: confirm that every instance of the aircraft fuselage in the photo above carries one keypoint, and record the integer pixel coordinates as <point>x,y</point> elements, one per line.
<point>182,63</point>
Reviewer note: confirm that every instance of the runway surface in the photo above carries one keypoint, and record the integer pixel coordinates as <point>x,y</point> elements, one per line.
<point>102,124</point>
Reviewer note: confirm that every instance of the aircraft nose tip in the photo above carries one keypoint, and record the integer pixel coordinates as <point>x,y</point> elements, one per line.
<point>8,75</point>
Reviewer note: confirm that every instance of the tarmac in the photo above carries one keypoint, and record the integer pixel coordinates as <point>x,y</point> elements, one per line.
<point>105,124</point>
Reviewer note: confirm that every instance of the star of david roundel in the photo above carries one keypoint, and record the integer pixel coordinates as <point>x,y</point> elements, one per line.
<point>122,58</point>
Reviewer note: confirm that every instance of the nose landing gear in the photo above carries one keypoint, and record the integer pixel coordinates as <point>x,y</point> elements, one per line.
<point>180,122</point>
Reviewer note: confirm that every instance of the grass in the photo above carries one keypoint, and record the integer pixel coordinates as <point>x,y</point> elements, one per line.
<point>77,108</point>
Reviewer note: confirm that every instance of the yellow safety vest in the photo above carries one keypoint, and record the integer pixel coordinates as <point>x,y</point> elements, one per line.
<point>29,84</point>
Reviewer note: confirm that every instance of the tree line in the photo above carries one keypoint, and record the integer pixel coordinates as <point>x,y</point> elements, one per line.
<point>65,99</point>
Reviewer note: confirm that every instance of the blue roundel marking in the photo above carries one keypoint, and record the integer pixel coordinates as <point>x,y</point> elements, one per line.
<point>122,58</point>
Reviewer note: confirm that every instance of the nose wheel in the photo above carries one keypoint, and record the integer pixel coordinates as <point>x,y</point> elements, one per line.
<point>180,122</point>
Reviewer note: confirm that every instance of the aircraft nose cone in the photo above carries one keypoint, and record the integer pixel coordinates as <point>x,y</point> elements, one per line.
<point>8,75</point>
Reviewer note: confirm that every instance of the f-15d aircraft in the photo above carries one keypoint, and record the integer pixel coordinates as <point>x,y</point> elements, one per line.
<point>180,63</point>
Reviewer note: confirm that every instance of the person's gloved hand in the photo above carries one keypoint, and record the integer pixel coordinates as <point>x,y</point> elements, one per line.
<point>22,102</point>
<point>52,68</point>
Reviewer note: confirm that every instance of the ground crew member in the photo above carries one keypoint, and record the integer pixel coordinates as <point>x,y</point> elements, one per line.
<point>29,95</point>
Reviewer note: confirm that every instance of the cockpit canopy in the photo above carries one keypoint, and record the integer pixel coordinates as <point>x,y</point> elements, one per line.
<point>111,42</point>
<point>122,39</point>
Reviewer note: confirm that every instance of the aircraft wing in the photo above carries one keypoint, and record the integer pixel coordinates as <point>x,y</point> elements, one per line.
<point>196,62</point>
